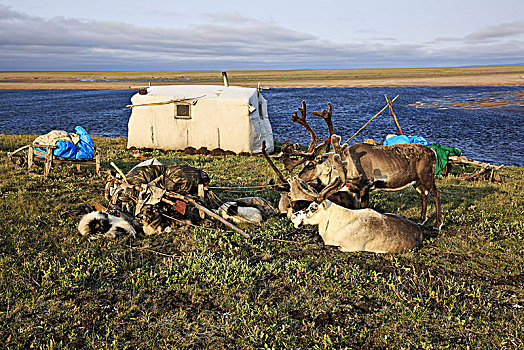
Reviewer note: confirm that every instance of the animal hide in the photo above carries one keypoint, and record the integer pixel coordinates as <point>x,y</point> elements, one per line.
<point>98,223</point>
<point>239,214</point>
<point>152,220</point>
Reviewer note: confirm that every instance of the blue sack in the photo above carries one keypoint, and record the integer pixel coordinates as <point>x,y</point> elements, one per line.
<point>396,140</point>
<point>85,148</point>
<point>400,139</point>
<point>65,149</point>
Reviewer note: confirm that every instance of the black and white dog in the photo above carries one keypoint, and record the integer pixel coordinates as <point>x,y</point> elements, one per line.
<point>98,223</point>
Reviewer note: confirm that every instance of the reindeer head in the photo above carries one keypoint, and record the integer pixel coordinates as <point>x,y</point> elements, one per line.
<point>325,166</point>
<point>301,191</point>
<point>319,168</point>
<point>307,216</point>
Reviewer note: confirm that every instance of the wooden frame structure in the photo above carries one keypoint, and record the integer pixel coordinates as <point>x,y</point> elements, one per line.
<point>26,155</point>
<point>482,171</point>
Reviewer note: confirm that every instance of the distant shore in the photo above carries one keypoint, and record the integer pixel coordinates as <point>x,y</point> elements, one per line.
<point>307,78</point>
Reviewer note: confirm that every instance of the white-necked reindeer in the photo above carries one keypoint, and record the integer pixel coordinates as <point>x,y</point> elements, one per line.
<point>352,230</point>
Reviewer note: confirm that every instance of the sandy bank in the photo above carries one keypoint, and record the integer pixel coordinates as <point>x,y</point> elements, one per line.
<point>469,76</point>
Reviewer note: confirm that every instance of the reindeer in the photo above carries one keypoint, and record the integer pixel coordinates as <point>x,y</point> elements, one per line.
<point>343,198</point>
<point>285,204</point>
<point>352,230</point>
<point>369,168</point>
<point>390,168</point>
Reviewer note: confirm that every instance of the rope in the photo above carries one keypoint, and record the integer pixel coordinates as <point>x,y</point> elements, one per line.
<point>167,102</point>
<point>257,186</point>
<point>369,121</point>
<point>243,191</point>
<point>193,225</point>
<point>239,188</point>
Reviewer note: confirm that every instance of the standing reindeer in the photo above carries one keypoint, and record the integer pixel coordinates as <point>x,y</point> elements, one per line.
<point>352,230</point>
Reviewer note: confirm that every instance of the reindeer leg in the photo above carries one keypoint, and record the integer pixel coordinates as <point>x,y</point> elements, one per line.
<point>364,198</point>
<point>355,191</point>
<point>424,196</point>
<point>436,196</point>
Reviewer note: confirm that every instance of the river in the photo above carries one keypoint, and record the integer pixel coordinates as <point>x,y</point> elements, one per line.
<point>485,123</point>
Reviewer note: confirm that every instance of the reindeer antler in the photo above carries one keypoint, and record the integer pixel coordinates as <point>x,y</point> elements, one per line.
<point>290,163</point>
<point>326,115</point>
<point>313,149</point>
<point>335,139</point>
<point>301,120</point>
<point>281,176</point>
<point>301,191</point>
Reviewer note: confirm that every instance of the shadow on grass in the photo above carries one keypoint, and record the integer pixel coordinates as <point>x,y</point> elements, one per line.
<point>407,203</point>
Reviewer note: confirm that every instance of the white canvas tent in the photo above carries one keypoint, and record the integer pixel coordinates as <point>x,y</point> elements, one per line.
<point>175,117</point>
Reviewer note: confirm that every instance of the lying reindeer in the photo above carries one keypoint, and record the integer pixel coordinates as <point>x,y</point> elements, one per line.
<point>389,168</point>
<point>352,230</point>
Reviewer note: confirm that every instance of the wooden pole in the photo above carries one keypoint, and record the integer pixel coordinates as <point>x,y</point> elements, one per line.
<point>188,100</point>
<point>399,130</point>
<point>119,171</point>
<point>30,158</point>
<point>210,213</point>
<point>369,121</point>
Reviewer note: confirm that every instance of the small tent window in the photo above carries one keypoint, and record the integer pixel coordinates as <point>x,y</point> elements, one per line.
<point>260,110</point>
<point>182,111</point>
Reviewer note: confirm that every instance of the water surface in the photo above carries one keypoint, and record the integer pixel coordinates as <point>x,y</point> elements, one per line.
<point>486,123</point>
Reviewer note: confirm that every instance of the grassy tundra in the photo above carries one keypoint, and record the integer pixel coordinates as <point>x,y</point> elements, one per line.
<point>210,287</point>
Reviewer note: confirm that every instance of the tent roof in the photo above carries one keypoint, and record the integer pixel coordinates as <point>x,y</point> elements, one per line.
<point>202,91</point>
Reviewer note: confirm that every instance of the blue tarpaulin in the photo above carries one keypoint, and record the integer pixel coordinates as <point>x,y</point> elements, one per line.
<point>85,149</point>
<point>400,139</point>
<point>65,148</point>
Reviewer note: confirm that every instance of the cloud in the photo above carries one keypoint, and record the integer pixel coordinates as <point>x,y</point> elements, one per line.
<point>230,18</point>
<point>505,30</point>
<point>220,42</point>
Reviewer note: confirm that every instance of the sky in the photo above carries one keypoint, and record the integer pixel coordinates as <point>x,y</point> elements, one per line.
<point>153,35</point>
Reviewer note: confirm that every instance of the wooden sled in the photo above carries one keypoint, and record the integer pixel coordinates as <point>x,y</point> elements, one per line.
<point>481,171</point>
<point>24,159</point>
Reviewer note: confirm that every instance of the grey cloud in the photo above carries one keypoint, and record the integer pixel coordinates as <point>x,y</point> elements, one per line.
<point>232,42</point>
<point>6,13</point>
<point>504,30</point>
<point>449,39</point>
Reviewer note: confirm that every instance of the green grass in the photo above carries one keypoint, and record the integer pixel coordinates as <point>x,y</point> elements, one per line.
<point>211,288</point>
